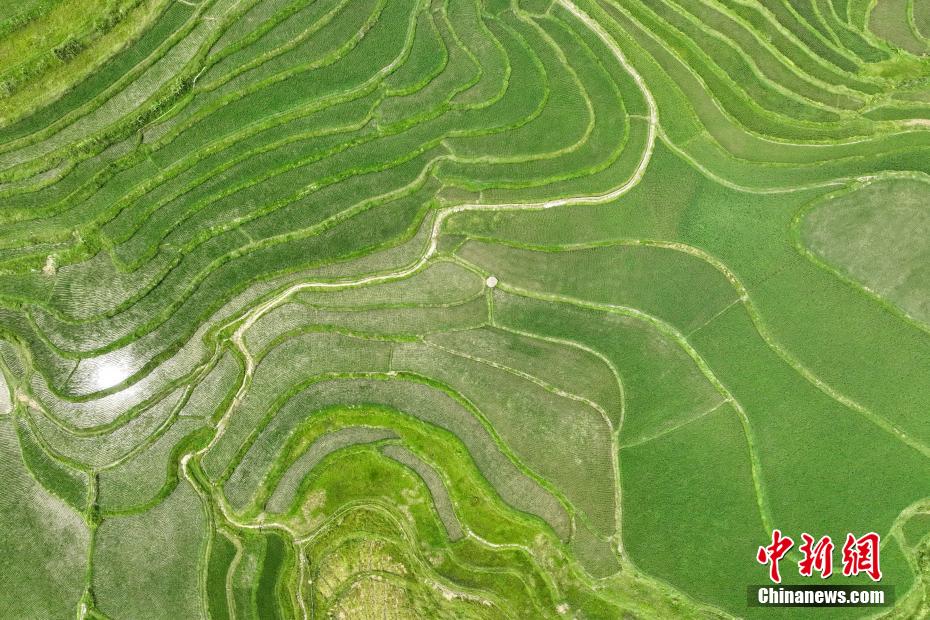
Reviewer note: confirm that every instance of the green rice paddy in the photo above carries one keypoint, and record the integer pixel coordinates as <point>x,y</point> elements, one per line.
<point>459,308</point>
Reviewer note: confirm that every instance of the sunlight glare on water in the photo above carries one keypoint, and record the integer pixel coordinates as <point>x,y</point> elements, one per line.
<point>109,374</point>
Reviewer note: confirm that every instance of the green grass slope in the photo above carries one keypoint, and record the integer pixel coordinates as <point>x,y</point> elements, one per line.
<point>458,308</point>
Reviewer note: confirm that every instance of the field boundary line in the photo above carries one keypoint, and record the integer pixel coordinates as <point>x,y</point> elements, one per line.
<point>672,332</point>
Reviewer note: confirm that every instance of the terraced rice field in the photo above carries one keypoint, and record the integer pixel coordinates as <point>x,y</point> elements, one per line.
<point>459,308</point>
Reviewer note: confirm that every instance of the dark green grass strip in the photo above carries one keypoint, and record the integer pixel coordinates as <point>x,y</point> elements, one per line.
<point>135,52</point>
<point>221,556</point>
<point>266,595</point>
<point>64,482</point>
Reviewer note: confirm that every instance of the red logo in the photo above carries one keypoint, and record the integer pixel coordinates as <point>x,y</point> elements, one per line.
<point>860,555</point>
<point>817,557</point>
<point>773,553</point>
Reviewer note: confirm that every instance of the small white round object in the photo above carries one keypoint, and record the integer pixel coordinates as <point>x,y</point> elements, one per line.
<point>491,281</point>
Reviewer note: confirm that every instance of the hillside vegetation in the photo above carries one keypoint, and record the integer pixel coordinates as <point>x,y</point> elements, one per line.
<point>458,308</point>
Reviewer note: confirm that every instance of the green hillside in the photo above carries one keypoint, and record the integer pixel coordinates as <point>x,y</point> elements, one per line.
<point>459,308</point>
